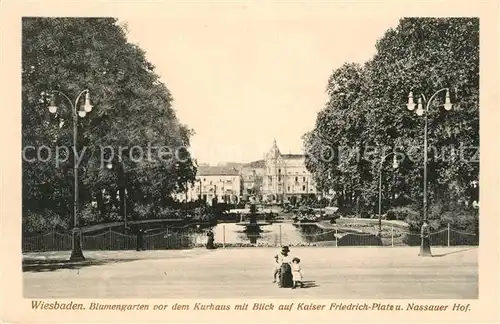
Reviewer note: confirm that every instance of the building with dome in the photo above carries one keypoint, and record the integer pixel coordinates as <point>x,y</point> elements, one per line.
<point>285,176</point>
<point>276,178</point>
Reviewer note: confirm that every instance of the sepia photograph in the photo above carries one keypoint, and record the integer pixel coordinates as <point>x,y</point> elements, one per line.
<point>250,155</point>
<point>128,193</point>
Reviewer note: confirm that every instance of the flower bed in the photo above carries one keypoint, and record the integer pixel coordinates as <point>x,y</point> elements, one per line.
<point>265,244</point>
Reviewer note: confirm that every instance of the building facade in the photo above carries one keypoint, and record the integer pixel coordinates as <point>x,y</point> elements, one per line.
<point>278,177</point>
<point>286,176</point>
<point>221,182</point>
<point>252,177</point>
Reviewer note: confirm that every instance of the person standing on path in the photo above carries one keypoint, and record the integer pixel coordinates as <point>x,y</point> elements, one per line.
<point>296,273</point>
<point>277,266</point>
<point>140,240</point>
<point>210,240</point>
<point>286,280</point>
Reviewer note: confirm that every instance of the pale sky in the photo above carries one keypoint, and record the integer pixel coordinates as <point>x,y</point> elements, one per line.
<point>242,76</point>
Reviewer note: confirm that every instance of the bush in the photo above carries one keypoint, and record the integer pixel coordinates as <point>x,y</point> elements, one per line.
<point>42,222</point>
<point>365,214</point>
<point>89,215</point>
<point>407,214</point>
<point>403,214</point>
<point>202,214</point>
<point>461,219</point>
<point>458,216</point>
<point>440,214</point>
<point>167,213</point>
<point>142,211</point>
<point>391,215</point>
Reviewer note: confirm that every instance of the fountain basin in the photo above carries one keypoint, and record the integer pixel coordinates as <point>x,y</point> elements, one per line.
<point>248,224</point>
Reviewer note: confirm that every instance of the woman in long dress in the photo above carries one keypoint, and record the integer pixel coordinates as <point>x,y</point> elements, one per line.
<point>210,240</point>
<point>286,279</point>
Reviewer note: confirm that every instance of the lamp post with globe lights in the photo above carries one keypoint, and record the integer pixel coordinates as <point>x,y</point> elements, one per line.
<point>200,193</point>
<point>395,165</point>
<point>425,247</point>
<point>475,206</point>
<point>123,183</point>
<point>76,251</point>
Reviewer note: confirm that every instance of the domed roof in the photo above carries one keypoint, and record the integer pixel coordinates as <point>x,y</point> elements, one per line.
<point>274,153</point>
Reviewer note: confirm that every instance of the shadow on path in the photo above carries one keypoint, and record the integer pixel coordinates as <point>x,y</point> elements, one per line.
<point>309,284</point>
<point>54,265</point>
<point>453,252</point>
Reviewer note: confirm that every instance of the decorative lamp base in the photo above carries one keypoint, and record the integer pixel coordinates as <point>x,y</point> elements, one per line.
<point>77,253</point>
<point>425,248</point>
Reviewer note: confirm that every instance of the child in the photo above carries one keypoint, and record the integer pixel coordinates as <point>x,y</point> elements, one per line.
<point>276,267</point>
<point>296,273</point>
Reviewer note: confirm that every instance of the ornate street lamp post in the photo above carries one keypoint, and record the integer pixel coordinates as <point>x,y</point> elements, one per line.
<point>425,246</point>
<point>124,184</point>
<point>200,197</point>
<point>76,252</point>
<point>395,165</point>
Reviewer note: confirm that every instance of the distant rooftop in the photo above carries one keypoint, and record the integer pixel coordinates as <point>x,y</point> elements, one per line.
<point>293,156</point>
<point>233,168</point>
<point>256,164</point>
<point>217,170</point>
<point>230,164</point>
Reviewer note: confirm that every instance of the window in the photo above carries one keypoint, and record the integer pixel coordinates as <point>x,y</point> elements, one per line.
<point>279,178</point>
<point>296,179</point>
<point>288,188</point>
<point>279,170</point>
<point>303,179</point>
<point>303,188</point>
<point>204,179</point>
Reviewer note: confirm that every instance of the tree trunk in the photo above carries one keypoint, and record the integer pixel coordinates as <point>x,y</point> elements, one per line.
<point>113,199</point>
<point>121,191</point>
<point>100,202</point>
<point>122,201</point>
<point>340,201</point>
<point>357,204</point>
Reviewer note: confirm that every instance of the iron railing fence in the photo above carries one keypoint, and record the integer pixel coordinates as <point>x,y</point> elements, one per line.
<point>113,240</point>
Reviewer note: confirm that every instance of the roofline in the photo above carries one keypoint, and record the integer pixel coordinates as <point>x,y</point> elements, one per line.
<point>217,173</point>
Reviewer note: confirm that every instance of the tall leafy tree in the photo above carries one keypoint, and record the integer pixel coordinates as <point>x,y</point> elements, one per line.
<point>132,112</point>
<point>335,146</point>
<point>421,55</point>
<point>425,55</point>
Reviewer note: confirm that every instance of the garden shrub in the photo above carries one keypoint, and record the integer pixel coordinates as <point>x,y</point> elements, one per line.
<point>402,213</point>
<point>365,214</point>
<point>42,222</point>
<point>440,214</point>
<point>391,215</point>
<point>462,219</point>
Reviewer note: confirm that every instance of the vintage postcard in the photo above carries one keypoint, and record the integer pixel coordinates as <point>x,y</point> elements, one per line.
<point>249,161</point>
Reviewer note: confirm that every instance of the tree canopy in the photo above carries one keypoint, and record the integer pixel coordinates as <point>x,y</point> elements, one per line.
<point>366,113</point>
<point>132,115</point>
